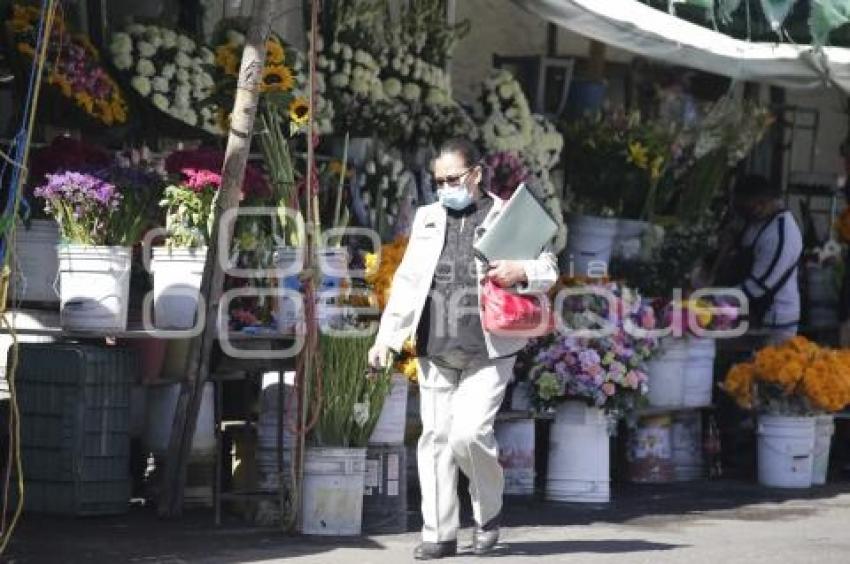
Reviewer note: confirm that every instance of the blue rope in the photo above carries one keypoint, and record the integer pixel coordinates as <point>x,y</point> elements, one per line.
<point>17,147</point>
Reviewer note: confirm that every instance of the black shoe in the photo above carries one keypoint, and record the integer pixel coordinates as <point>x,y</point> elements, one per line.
<point>435,550</point>
<point>485,538</point>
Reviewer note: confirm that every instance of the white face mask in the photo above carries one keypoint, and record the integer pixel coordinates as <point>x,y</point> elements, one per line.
<point>455,197</point>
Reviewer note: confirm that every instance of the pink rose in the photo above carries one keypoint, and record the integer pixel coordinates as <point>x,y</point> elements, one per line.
<point>609,389</point>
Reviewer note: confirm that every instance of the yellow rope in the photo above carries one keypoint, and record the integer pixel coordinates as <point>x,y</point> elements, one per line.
<point>14,415</point>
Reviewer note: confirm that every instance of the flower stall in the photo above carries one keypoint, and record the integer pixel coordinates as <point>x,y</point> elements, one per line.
<point>123,205</point>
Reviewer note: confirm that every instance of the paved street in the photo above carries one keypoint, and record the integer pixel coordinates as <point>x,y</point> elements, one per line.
<point>710,522</point>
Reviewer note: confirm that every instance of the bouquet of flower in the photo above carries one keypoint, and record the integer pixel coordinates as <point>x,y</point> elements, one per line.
<point>507,172</point>
<point>170,70</point>
<point>709,314</point>
<point>797,377</point>
<point>606,371</point>
<point>72,67</point>
<point>504,116</point>
<point>210,162</point>
<point>378,202</point>
<point>188,208</point>
<point>107,207</point>
<point>380,269</point>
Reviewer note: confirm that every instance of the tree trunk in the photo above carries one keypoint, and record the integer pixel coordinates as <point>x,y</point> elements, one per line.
<point>233,172</point>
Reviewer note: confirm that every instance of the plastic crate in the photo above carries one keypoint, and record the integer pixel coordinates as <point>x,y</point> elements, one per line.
<point>75,414</point>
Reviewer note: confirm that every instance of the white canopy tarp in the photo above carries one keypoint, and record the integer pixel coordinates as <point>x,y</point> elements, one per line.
<point>640,29</point>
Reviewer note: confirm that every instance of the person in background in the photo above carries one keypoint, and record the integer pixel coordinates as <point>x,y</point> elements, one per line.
<point>765,260</point>
<point>463,369</point>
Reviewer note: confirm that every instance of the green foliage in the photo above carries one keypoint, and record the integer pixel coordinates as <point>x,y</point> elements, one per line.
<point>188,215</point>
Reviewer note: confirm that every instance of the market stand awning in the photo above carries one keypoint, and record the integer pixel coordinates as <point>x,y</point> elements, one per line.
<point>643,30</point>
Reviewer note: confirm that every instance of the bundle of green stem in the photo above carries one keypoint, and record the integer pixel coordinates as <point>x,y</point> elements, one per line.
<point>351,401</point>
<point>275,147</point>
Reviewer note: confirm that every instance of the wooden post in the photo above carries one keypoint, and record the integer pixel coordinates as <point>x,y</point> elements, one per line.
<point>233,172</point>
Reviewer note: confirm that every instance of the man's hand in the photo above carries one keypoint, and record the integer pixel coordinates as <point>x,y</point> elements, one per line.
<point>378,356</point>
<point>507,273</point>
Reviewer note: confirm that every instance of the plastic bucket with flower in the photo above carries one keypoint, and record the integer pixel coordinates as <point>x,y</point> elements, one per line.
<point>785,451</point>
<point>177,274</point>
<point>94,286</point>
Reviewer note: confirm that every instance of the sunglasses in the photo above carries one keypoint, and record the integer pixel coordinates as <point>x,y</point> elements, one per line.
<point>452,179</point>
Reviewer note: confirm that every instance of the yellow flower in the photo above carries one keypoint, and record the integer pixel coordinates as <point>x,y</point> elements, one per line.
<point>299,111</point>
<point>277,79</point>
<point>274,52</point>
<point>85,101</point>
<point>638,155</point>
<point>227,59</point>
<point>119,110</point>
<point>655,169</point>
<point>26,49</point>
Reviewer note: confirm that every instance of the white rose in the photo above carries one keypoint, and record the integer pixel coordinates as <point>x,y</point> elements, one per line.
<point>207,56</point>
<point>142,85</point>
<point>146,49</point>
<point>339,80</point>
<point>160,84</point>
<point>183,60</point>
<point>182,76</point>
<point>160,102</point>
<point>411,92</point>
<point>185,44</point>
<point>392,87</point>
<point>123,62</point>
<point>145,68</point>
<point>235,38</point>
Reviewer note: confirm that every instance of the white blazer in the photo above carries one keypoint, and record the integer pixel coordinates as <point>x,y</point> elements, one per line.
<point>412,281</point>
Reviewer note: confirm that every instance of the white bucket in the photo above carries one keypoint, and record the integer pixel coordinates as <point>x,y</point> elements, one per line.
<point>824,428</point>
<point>389,430</point>
<point>24,319</point>
<point>516,455</point>
<point>333,263</point>
<point>162,403</point>
<point>785,451</point>
<point>629,241</point>
<point>667,375</point>
<point>687,447</point>
<point>650,452</point>
<point>36,262</point>
<point>579,456</point>
<point>177,277</point>
<point>94,287</point>
<point>589,245</point>
<point>699,372</point>
<point>334,479</point>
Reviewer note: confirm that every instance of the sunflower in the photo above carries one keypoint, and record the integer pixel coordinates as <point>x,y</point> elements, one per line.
<point>226,58</point>
<point>299,111</point>
<point>275,54</point>
<point>277,78</point>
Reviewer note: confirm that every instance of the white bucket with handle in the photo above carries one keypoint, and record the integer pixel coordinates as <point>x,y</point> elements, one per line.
<point>589,245</point>
<point>786,448</point>
<point>94,287</point>
<point>699,372</point>
<point>579,467</point>
<point>177,277</point>
<point>667,374</point>
<point>332,502</point>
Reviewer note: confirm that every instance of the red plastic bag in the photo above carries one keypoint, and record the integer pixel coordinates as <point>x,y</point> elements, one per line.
<point>515,315</point>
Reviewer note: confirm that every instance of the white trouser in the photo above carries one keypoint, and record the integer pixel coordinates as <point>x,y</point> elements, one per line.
<point>459,406</point>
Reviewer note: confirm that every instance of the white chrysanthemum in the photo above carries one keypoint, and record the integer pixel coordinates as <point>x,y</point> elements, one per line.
<point>360,86</point>
<point>141,85</point>
<point>145,68</point>
<point>322,62</point>
<point>235,37</point>
<point>182,76</point>
<point>435,97</point>
<point>392,87</point>
<point>123,62</point>
<point>339,80</point>
<point>168,71</point>
<point>183,60</point>
<point>411,92</point>
<point>336,48</point>
<point>189,116</point>
<point>121,43</point>
<point>347,52</point>
<point>160,84</point>
<point>396,64</point>
<point>160,101</point>
<point>153,31</point>
<point>169,36</point>
<point>182,101</point>
<point>185,44</point>
<point>146,49</point>
<point>207,56</point>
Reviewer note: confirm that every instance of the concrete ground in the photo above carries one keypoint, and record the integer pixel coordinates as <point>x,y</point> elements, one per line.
<point>722,522</point>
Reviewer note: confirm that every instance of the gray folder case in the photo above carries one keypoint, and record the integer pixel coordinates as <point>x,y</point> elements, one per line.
<point>520,232</point>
